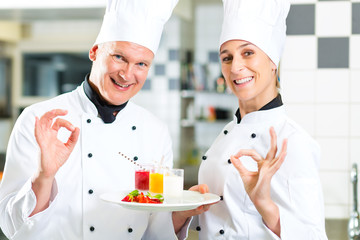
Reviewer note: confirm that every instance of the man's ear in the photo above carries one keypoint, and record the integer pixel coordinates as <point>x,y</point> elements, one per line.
<point>93,52</point>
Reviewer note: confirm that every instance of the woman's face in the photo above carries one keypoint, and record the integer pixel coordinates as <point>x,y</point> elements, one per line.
<point>249,72</point>
<point>119,70</point>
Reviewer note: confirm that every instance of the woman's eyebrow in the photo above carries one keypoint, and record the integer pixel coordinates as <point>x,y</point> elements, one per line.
<point>239,47</point>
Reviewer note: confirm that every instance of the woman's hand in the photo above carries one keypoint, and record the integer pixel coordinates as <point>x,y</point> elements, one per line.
<point>54,152</point>
<point>179,218</point>
<point>257,184</point>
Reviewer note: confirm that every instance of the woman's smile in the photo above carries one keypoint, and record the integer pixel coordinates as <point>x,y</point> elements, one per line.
<point>243,80</point>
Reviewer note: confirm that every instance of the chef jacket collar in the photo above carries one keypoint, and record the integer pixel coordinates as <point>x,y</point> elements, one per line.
<point>276,102</point>
<point>105,110</point>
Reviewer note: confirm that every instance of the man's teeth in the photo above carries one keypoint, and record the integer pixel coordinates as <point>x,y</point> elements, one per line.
<point>121,85</point>
<point>244,80</point>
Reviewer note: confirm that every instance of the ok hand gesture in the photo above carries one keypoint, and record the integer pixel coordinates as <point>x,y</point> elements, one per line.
<point>257,184</point>
<point>54,152</point>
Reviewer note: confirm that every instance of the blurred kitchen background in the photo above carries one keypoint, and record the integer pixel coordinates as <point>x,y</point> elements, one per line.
<point>44,52</point>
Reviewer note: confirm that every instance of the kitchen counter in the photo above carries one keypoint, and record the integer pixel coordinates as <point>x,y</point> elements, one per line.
<point>336,229</point>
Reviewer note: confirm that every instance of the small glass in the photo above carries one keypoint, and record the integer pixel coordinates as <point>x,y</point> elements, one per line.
<point>142,177</point>
<point>156,179</point>
<point>173,184</point>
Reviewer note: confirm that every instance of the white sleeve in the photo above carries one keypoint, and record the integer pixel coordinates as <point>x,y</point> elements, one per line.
<point>304,217</point>
<point>300,200</point>
<point>183,233</point>
<point>160,227</point>
<point>17,200</point>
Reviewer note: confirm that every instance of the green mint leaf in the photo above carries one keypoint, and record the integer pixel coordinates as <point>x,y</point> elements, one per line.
<point>134,193</point>
<point>158,196</point>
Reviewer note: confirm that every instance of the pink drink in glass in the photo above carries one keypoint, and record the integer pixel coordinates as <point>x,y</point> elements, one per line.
<point>142,180</point>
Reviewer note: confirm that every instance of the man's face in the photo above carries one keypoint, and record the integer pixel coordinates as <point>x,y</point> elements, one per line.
<point>119,70</point>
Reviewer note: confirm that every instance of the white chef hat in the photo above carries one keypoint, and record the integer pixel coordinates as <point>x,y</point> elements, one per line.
<point>261,22</point>
<point>137,21</point>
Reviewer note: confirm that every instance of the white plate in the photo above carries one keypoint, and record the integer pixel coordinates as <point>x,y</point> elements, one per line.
<point>190,200</point>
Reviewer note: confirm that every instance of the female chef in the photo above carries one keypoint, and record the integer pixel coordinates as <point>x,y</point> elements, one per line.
<point>54,178</point>
<point>266,192</point>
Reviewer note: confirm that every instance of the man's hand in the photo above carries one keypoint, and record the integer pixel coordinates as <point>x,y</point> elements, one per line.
<point>54,154</point>
<point>179,218</point>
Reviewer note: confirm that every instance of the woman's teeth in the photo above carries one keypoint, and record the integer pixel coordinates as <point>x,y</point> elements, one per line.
<point>243,80</point>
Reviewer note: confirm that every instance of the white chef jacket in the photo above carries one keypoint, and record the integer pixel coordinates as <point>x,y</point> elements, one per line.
<point>93,168</point>
<point>295,187</point>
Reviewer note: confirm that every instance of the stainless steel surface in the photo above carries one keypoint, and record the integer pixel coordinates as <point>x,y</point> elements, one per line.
<point>353,226</point>
<point>336,229</point>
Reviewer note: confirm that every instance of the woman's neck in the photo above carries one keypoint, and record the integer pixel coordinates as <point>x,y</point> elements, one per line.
<point>256,103</point>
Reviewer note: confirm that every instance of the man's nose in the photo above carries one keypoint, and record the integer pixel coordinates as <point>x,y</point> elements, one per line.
<point>125,72</point>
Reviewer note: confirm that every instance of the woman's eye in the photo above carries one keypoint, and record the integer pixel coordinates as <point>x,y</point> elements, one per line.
<point>248,53</point>
<point>225,59</point>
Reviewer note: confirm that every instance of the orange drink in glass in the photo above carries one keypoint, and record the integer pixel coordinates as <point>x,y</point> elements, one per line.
<point>156,180</point>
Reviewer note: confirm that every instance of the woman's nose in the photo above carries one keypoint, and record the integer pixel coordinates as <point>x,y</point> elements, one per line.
<point>237,65</point>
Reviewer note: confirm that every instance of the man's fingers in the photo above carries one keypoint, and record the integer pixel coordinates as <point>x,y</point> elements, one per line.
<point>59,123</point>
<point>73,138</point>
<point>202,188</point>
<point>50,115</point>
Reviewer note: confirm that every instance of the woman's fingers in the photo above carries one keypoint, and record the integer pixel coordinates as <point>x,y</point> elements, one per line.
<point>235,159</point>
<point>238,165</point>
<point>249,152</point>
<point>273,144</point>
<point>281,157</point>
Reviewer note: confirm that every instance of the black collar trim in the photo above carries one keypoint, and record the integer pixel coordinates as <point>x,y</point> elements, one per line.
<point>276,102</point>
<point>105,110</point>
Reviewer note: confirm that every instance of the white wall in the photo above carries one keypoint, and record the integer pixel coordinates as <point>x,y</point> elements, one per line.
<point>325,101</point>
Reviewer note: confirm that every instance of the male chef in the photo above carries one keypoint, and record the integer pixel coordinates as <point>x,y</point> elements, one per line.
<point>63,152</point>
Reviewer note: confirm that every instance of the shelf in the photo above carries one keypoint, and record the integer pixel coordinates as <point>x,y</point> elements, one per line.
<point>187,93</point>
<point>187,123</point>
<point>199,126</point>
<point>222,121</point>
<point>193,93</point>
<point>192,123</point>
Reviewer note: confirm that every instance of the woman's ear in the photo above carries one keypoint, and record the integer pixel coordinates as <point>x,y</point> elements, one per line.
<point>273,66</point>
<point>93,52</point>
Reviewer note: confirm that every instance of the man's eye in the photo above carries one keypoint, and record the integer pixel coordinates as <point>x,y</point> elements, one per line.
<point>142,64</point>
<point>117,57</point>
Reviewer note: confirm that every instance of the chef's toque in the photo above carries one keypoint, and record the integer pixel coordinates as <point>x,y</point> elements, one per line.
<point>137,21</point>
<point>261,22</point>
